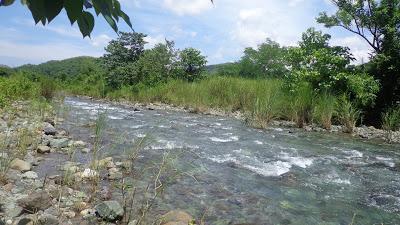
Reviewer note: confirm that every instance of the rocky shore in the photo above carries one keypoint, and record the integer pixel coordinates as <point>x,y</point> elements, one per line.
<point>40,183</point>
<point>364,132</point>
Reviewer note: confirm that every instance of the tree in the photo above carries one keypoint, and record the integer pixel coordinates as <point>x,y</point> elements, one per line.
<point>121,56</point>
<point>192,63</point>
<point>159,64</point>
<point>45,11</point>
<point>268,60</point>
<point>378,23</point>
<point>327,68</point>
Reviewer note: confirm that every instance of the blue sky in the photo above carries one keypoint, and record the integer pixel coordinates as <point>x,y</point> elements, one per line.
<point>221,31</point>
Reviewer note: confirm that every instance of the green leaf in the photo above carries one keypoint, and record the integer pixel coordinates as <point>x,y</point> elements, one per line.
<point>53,8</point>
<point>38,10</point>
<point>126,19</point>
<point>74,9</point>
<point>86,23</point>
<point>111,21</point>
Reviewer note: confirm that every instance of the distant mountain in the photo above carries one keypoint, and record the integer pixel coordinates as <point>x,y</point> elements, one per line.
<point>63,69</point>
<point>214,68</point>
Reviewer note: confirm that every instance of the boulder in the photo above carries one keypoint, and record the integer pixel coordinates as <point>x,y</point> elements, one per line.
<point>110,211</point>
<point>20,165</point>
<point>34,202</point>
<point>25,221</point>
<point>49,129</point>
<point>59,143</point>
<point>42,149</point>
<point>30,175</point>
<point>176,217</point>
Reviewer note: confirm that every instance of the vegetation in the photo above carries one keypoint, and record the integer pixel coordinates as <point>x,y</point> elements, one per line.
<point>313,82</point>
<point>45,11</point>
<point>391,121</point>
<point>376,22</point>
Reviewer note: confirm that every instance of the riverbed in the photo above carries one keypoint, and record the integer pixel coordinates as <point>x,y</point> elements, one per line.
<point>235,174</point>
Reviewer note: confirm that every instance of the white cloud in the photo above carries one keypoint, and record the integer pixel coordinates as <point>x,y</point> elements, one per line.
<point>152,41</point>
<point>100,40</point>
<point>187,7</point>
<point>357,45</point>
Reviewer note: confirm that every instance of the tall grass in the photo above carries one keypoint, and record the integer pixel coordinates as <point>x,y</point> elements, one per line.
<point>347,114</point>
<point>300,104</point>
<point>324,110</point>
<point>391,121</point>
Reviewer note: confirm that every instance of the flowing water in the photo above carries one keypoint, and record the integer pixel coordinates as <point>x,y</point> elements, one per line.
<point>242,175</point>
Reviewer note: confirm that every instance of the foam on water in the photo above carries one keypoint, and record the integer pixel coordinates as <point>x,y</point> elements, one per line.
<point>258,142</point>
<point>230,139</point>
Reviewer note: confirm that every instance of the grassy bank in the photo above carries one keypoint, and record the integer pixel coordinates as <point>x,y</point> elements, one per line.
<point>261,100</point>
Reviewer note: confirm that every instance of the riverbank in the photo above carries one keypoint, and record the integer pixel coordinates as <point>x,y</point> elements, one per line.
<point>364,132</point>
<point>43,182</point>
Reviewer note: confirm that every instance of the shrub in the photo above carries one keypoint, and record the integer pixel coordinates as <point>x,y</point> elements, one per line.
<point>48,87</point>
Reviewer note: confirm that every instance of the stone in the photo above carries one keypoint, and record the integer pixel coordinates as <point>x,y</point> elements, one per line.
<point>25,221</point>
<point>85,150</point>
<point>42,149</point>
<point>114,174</point>
<point>110,211</point>
<point>133,222</point>
<point>49,129</point>
<point>36,201</point>
<point>88,174</point>
<point>105,162</point>
<point>176,217</point>
<point>59,143</point>
<point>30,175</point>
<point>48,219</point>
<point>50,121</point>
<point>20,165</point>
<point>69,214</point>
<point>86,213</point>
<point>79,144</point>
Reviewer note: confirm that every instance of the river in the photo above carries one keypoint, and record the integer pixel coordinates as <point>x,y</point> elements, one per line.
<point>242,175</point>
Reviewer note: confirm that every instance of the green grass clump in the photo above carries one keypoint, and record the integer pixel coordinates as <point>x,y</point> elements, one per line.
<point>324,110</point>
<point>347,114</point>
<point>391,121</point>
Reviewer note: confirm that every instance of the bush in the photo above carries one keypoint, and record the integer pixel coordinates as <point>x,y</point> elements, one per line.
<point>300,104</point>
<point>48,87</point>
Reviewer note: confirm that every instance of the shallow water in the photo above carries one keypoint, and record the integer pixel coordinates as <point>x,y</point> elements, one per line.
<point>239,174</point>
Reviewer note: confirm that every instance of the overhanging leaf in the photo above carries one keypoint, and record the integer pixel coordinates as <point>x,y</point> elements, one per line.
<point>53,8</point>
<point>74,9</point>
<point>86,23</point>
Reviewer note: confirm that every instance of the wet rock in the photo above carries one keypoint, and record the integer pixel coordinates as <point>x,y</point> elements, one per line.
<point>176,217</point>
<point>34,202</point>
<point>110,211</point>
<point>49,129</point>
<point>20,165</point>
<point>43,149</point>
<point>30,175</point>
<point>59,143</point>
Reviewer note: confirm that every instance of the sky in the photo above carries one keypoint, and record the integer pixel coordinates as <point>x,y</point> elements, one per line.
<point>221,30</point>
